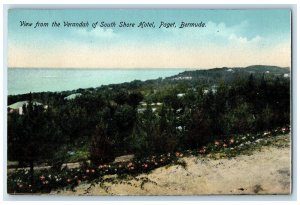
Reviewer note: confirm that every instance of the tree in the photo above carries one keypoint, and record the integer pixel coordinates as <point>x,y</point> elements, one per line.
<point>101,150</point>
<point>240,119</point>
<point>167,138</point>
<point>120,97</point>
<point>134,99</point>
<point>199,130</point>
<point>145,132</point>
<point>32,137</point>
<point>123,121</point>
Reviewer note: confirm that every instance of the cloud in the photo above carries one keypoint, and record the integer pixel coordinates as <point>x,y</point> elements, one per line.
<point>217,45</point>
<point>215,34</point>
<point>97,33</point>
<point>244,40</point>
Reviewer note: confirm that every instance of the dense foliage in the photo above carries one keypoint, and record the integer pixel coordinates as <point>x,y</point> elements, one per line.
<point>146,118</point>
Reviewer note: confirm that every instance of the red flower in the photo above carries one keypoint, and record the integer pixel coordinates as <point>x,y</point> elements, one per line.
<point>217,142</point>
<point>231,141</point>
<point>42,178</point>
<point>202,150</point>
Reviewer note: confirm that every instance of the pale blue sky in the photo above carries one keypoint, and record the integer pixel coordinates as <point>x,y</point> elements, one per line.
<point>230,38</point>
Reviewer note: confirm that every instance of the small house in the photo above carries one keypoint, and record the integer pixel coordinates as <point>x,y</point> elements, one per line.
<point>180,95</point>
<point>73,96</point>
<point>143,103</point>
<point>141,110</point>
<point>18,106</point>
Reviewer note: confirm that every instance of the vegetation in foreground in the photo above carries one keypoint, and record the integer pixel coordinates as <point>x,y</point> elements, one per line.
<point>156,120</point>
<point>47,180</point>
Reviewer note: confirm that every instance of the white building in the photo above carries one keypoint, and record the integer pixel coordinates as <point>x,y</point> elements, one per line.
<point>73,96</point>
<point>18,106</point>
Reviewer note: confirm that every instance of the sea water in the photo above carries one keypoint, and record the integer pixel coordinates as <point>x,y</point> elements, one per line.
<point>25,80</point>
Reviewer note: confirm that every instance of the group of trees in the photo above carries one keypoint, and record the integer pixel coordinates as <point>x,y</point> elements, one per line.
<point>107,121</point>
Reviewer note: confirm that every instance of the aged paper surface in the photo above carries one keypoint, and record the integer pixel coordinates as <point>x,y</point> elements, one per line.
<point>149,101</point>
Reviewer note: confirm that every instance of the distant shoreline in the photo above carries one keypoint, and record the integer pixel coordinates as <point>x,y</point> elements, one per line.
<point>26,80</point>
<point>34,80</point>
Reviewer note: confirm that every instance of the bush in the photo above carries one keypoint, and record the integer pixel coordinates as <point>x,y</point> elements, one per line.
<point>101,146</point>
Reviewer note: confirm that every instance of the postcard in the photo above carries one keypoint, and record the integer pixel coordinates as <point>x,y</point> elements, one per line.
<point>149,102</point>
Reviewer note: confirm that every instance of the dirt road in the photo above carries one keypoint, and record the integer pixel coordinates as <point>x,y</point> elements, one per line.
<point>266,171</point>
